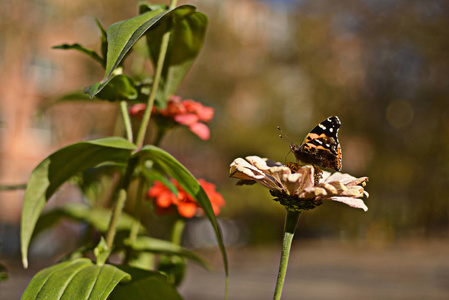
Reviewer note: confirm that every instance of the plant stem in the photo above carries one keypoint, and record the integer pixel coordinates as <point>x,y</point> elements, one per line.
<point>12,187</point>
<point>157,76</point>
<point>112,228</point>
<point>178,229</point>
<point>126,120</point>
<point>137,210</point>
<point>291,221</point>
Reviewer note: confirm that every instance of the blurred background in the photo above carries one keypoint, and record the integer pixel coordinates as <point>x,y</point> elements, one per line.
<point>380,65</point>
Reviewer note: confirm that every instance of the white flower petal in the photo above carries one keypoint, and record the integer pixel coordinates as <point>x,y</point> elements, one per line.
<point>279,172</point>
<point>337,176</point>
<point>353,202</point>
<point>307,172</point>
<point>259,163</point>
<point>291,182</point>
<point>312,192</point>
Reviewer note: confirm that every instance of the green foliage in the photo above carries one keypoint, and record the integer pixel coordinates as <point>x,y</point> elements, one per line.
<point>97,217</point>
<point>102,252</point>
<point>91,53</point>
<point>117,87</point>
<point>121,37</point>
<point>57,168</point>
<point>174,267</point>
<point>187,29</point>
<point>76,279</point>
<point>177,171</point>
<point>145,285</point>
<point>174,37</point>
<point>148,244</point>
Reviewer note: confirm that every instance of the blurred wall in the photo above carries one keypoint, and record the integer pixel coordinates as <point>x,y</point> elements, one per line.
<point>381,66</point>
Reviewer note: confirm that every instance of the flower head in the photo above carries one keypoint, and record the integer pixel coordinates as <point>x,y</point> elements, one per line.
<point>299,188</point>
<point>166,201</point>
<point>186,112</point>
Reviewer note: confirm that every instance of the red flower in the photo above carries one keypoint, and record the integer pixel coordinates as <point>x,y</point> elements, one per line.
<point>187,207</point>
<point>137,110</point>
<point>187,112</point>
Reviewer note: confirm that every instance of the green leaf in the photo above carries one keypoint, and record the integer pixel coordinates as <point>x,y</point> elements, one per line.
<point>174,267</point>
<point>155,175</point>
<point>187,32</point>
<point>104,41</point>
<point>145,285</point>
<point>78,47</point>
<point>102,252</point>
<point>123,35</point>
<point>57,168</point>
<point>141,260</point>
<point>77,279</point>
<point>146,243</point>
<point>73,96</point>
<point>117,87</point>
<point>96,183</point>
<point>146,7</point>
<point>189,183</point>
<point>97,217</point>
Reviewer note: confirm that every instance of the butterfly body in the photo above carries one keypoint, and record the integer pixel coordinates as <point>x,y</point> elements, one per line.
<point>321,146</point>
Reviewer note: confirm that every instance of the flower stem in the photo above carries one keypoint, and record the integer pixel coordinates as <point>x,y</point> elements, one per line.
<point>126,121</point>
<point>118,208</point>
<point>291,222</point>
<point>178,229</point>
<point>112,228</point>
<point>137,210</point>
<point>157,76</point>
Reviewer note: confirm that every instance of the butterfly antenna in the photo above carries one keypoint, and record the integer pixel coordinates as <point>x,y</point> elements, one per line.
<point>283,135</point>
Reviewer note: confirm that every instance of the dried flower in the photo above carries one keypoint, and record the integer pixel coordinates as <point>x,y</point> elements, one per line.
<point>186,206</point>
<point>298,188</point>
<point>186,112</point>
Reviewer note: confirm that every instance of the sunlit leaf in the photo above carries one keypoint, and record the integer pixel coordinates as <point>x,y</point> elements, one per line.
<point>123,35</point>
<point>78,279</point>
<point>187,32</point>
<point>57,168</point>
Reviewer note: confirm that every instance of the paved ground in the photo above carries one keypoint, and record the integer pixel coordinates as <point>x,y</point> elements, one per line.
<point>317,270</point>
<point>332,270</point>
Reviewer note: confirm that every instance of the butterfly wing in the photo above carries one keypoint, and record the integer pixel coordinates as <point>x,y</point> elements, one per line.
<point>321,146</point>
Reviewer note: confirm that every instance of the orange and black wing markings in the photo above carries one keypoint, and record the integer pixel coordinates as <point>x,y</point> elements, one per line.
<point>321,146</point>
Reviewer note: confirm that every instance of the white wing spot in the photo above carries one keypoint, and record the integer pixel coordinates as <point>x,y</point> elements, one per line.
<point>331,129</point>
<point>322,126</point>
<point>319,142</point>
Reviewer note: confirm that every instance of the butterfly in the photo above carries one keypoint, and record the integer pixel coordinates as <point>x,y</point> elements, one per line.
<point>321,147</point>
